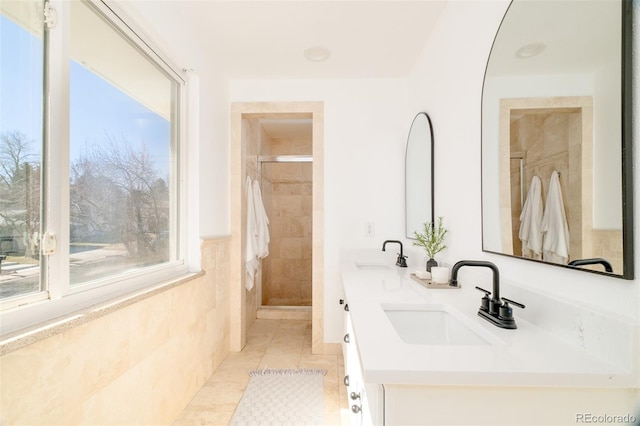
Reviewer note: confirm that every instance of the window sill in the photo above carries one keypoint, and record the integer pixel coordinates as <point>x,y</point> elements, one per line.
<point>19,339</point>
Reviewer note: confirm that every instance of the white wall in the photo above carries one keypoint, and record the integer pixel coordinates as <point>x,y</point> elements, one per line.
<point>607,138</point>
<point>365,133</point>
<point>447,84</point>
<point>214,157</point>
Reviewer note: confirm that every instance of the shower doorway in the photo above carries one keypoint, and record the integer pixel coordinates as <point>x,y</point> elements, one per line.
<point>260,142</point>
<point>287,192</point>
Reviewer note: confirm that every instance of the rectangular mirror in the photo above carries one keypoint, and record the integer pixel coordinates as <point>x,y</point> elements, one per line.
<point>556,136</point>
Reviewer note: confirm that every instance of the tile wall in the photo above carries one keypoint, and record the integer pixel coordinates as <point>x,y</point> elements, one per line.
<point>140,364</point>
<point>288,200</point>
<point>549,142</point>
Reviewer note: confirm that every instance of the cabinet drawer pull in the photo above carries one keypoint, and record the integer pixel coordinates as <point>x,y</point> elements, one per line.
<point>346,338</point>
<point>356,409</point>
<point>346,380</point>
<point>346,307</point>
<point>354,395</point>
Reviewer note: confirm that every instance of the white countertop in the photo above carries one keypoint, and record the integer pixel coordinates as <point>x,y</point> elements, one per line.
<point>527,356</point>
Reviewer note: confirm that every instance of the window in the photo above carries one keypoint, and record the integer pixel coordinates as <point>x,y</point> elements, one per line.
<point>121,132</point>
<point>21,126</point>
<point>97,167</point>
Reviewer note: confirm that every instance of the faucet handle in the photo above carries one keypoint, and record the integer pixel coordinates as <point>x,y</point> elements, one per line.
<point>486,292</point>
<point>513,302</point>
<point>484,304</point>
<point>401,261</point>
<point>505,310</point>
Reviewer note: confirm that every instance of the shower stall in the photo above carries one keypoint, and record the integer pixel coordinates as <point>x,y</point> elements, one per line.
<point>287,189</point>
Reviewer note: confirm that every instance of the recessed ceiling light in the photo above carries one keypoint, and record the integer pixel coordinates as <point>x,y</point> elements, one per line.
<point>317,53</point>
<point>529,50</point>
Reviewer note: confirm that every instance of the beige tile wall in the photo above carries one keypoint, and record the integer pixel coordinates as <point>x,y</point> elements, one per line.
<point>287,275</point>
<point>552,141</point>
<point>255,139</point>
<point>607,244</point>
<point>138,365</point>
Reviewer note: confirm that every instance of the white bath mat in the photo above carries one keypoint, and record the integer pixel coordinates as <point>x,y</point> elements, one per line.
<point>282,397</point>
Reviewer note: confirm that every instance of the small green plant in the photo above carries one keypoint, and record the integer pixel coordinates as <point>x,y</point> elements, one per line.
<point>432,238</point>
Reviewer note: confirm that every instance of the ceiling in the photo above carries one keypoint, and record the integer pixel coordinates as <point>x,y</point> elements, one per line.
<point>579,37</point>
<point>266,39</point>
<point>287,128</point>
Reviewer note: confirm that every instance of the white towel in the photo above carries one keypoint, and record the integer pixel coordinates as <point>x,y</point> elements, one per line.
<point>555,246</point>
<point>262,223</point>
<point>251,255</point>
<point>531,221</point>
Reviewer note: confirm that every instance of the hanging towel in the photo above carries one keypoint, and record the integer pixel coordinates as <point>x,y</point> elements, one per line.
<point>251,255</point>
<point>262,223</point>
<point>555,246</point>
<point>531,221</point>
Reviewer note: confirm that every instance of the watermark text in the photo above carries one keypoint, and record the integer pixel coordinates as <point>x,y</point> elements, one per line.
<point>590,418</point>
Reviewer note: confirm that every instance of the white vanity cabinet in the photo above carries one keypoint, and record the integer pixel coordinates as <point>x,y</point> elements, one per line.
<point>432,404</point>
<point>528,375</point>
<point>363,399</point>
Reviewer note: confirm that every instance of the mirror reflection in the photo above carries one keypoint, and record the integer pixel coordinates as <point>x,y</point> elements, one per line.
<point>419,175</point>
<point>552,140</point>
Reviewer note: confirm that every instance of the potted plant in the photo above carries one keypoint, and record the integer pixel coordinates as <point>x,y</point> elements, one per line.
<point>432,240</point>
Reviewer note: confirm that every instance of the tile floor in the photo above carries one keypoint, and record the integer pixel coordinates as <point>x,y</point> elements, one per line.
<point>271,343</point>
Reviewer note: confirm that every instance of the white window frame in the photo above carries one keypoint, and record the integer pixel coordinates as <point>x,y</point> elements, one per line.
<point>58,298</point>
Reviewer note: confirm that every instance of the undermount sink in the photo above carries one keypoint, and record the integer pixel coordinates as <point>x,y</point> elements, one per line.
<point>371,266</point>
<point>435,324</point>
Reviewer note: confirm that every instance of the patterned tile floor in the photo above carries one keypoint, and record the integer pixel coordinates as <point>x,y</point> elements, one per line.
<point>271,343</point>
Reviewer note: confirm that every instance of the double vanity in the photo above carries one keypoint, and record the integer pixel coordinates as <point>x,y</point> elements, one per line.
<point>417,355</point>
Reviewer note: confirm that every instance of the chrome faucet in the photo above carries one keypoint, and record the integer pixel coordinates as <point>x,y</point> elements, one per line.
<point>402,259</point>
<point>491,308</point>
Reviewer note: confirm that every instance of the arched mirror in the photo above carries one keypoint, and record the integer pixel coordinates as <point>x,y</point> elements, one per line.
<point>419,175</point>
<point>556,136</point>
